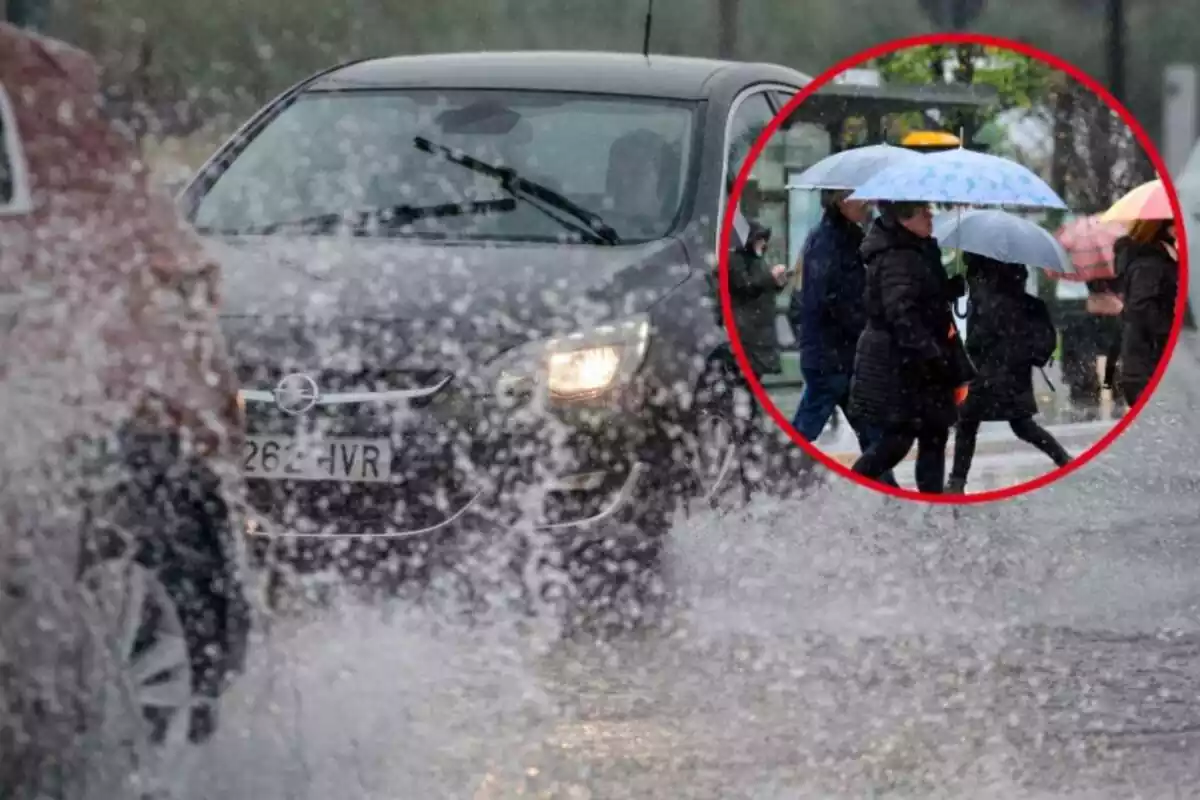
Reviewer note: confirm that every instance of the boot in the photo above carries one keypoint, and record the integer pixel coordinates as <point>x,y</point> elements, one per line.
<point>956,485</point>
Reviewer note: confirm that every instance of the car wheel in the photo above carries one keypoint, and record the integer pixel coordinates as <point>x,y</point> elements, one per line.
<point>144,641</point>
<point>714,461</point>
<point>714,448</point>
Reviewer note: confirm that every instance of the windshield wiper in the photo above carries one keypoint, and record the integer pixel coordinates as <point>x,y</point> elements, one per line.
<point>395,215</point>
<point>593,225</point>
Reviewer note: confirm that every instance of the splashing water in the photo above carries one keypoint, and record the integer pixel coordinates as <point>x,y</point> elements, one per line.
<point>840,644</point>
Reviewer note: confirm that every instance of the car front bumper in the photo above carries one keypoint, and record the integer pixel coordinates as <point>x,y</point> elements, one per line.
<point>585,472</point>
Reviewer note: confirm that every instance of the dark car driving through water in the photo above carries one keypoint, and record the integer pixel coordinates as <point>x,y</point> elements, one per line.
<point>449,277</point>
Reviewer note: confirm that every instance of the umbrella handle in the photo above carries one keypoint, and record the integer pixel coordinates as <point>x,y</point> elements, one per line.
<point>1048,381</point>
<point>966,309</point>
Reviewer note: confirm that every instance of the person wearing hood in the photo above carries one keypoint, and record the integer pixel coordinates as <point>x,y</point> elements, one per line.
<point>1148,267</point>
<point>754,288</point>
<point>828,316</point>
<point>1009,333</point>
<point>909,364</point>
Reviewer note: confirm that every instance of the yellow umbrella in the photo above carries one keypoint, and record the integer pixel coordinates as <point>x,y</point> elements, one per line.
<point>1148,201</point>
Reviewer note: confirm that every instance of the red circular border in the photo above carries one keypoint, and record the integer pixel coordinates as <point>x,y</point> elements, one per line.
<point>727,316</point>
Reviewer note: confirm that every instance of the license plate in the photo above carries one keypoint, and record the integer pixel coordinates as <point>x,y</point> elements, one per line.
<point>282,458</point>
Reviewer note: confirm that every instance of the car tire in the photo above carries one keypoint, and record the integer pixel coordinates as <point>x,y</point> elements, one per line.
<point>716,449</point>
<point>161,534</point>
<point>141,642</point>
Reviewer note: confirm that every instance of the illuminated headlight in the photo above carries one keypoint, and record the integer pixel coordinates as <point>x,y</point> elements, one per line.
<point>582,365</point>
<point>584,372</point>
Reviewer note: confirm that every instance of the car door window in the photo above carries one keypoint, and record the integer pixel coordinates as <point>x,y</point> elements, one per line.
<point>14,181</point>
<point>752,115</point>
<point>781,99</point>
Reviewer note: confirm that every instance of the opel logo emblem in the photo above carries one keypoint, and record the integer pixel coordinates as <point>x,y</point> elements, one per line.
<point>296,393</point>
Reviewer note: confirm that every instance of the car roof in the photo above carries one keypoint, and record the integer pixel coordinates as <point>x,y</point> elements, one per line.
<point>677,77</point>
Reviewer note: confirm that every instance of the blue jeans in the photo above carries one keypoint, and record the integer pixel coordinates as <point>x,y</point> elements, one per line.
<point>824,392</point>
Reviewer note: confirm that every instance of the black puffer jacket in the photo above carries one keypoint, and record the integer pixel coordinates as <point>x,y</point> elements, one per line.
<point>1150,284</point>
<point>754,292</point>
<point>907,367</point>
<point>1003,320</point>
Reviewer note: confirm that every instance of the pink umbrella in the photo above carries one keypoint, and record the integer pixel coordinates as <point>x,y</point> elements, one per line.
<point>1089,241</point>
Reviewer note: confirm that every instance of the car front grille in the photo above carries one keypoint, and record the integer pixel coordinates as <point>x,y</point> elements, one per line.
<point>430,477</point>
<point>263,377</point>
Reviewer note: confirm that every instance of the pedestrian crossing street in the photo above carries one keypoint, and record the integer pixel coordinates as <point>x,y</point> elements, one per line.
<point>988,473</point>
<point>1001,460</point>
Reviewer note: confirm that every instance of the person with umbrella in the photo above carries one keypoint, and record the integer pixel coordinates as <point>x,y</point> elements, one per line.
<point>1089,242</point>
<point>1148,269</point>
<point>911,367</point>
<point>828,316</point>
<point>906,369</point>
<point>1009,333</point>
<point>826,312</point>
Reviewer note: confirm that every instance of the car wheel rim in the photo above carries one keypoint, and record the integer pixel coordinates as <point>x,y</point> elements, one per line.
<point>716,454</point>
<point>145,641</point>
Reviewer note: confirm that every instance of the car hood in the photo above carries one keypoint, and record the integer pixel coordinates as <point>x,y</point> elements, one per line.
<point>295,301</point>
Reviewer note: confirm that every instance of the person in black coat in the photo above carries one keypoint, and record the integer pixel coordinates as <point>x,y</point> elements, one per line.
<point>909,361</point>
<point>754,289</point>
<point>1148,267</point>
<point>1009,332</point>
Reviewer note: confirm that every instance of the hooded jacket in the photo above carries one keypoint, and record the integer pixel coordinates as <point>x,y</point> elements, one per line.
<point>754,293</point>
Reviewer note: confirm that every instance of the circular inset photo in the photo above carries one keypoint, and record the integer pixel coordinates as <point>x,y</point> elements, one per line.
<point>951,269</point>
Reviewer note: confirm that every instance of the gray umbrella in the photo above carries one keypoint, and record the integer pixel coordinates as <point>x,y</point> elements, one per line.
<point>851,168</point>
<point>1002,236</point>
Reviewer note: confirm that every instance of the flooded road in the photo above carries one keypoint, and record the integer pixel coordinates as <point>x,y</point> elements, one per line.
<point>846,645</point>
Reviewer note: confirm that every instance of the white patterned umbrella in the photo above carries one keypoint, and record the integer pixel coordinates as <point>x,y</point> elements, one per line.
<point>960,177</point>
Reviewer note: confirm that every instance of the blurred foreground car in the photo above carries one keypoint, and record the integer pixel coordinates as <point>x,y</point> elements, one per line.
<point>453,276</point>
<point>118,407</point>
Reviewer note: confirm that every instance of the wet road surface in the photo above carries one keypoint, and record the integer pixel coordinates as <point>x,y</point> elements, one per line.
<point>844,645</point>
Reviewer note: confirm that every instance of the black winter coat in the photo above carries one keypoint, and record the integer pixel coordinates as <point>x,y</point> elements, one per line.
<point>1000,325</point>
<point>906,366</point>
<point>1150,283</point>
<point>754,294</point>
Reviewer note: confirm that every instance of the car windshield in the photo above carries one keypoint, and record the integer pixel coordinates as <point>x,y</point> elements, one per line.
<point>460,164</point>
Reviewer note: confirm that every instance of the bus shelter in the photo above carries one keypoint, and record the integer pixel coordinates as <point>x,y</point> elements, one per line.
<point>837,117</point>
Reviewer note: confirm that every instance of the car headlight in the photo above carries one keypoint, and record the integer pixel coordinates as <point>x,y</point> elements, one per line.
<point>578,366</point>
<point>582,372</point>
